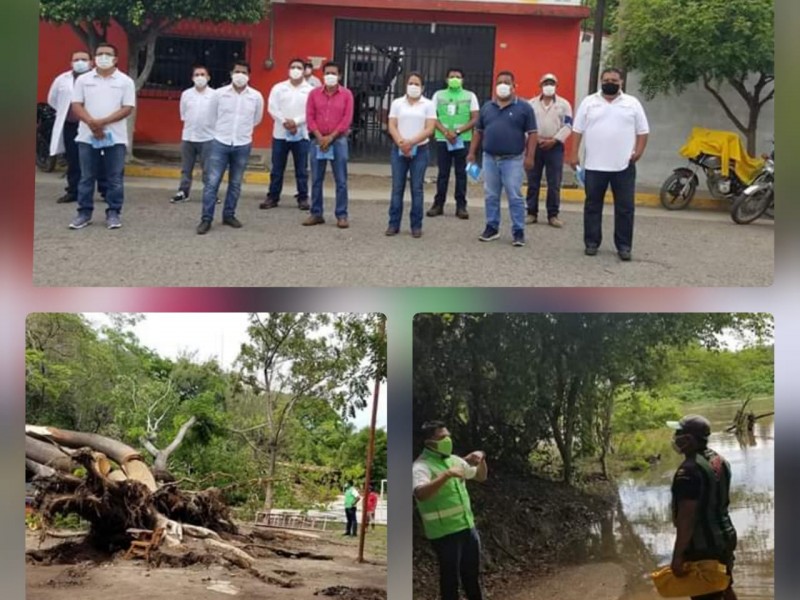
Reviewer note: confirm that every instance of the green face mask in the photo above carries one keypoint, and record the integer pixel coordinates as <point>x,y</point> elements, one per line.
<point>443,446</point>
<point>454,83</point>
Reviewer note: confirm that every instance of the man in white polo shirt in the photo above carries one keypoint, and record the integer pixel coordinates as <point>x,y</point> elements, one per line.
<point>197,130</point>
<point>615,129</point>
<point>287,107</point>
<point>102,99</point>
<point>235,111</point>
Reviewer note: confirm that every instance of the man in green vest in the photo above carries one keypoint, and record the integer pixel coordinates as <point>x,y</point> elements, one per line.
<point>351,497</point>
<point>444,507</point>
<point>456,114</point>
<point>700,498</point>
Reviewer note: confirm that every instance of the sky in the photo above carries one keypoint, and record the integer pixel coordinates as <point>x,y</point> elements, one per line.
<point>213,335</point>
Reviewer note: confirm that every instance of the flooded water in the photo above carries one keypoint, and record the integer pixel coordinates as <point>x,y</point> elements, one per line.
<point>645,525</point>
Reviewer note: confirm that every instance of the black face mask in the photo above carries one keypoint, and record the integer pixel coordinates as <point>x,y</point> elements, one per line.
<point>610,89</point>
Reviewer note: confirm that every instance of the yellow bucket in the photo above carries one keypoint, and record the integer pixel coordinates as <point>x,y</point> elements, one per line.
<point>702,577</point>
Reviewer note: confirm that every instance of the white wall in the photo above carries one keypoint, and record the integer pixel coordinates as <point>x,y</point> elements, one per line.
<point>672,118</point>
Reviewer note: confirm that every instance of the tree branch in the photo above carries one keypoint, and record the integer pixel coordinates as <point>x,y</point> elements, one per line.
<point>721,100</point>
<point>148,446</point>
<point>767,98</point>
<point>179,437</point>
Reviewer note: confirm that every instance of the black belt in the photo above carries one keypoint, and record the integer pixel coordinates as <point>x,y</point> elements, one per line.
<point>504,156</point>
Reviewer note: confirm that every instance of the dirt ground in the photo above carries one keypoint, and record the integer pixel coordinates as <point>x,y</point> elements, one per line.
<point>341,578</point>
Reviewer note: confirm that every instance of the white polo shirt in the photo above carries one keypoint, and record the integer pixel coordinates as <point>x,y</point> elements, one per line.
<point>194,114</point>
<point>234,114</point>
<point>101,97</point>
<point>421,472</point>
<point>609,130</point>
<point>411,118</point>
<point>288,101</point>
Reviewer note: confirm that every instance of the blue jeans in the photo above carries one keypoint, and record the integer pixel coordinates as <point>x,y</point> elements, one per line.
<point>551,163</point>
<point>499,174</point>
<point>108,161</point>
<point>280,156</point>
<point>401,167</point>
<point>623,186</point>
<point>340,155</point>
<point>220,158</point>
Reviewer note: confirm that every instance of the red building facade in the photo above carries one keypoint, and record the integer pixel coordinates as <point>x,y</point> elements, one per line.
<point>375,45</point>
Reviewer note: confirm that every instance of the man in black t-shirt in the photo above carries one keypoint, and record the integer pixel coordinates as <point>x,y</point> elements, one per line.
<point>700,498</point>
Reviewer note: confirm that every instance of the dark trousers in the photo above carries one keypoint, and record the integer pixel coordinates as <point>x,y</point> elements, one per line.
<point>459,559</point>
<point>623,186</point>
<point>551,164</point>
<point>352,521</point>
<point>190,153</point>
<point>74,163</point>
<point>280,156</point>
<point>448,160</point>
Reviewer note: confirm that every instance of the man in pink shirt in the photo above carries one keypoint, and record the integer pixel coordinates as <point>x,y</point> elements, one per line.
<point>329,114</point>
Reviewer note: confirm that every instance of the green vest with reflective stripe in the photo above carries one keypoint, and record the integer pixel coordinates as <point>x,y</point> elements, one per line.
<point>452,110</point>
<point>349,498</point>
<point>449,511</point>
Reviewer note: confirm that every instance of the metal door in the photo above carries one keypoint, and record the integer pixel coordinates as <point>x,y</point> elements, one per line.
<point>376,55</point>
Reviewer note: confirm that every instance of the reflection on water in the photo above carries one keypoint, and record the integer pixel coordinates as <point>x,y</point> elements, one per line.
<point>645,499</point>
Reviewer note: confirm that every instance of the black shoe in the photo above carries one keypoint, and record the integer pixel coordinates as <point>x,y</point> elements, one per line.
<point>462,213</point>
<point>232,222</point>
<point>590,251</point>
<point>303,205</point>
<point>66,198</point>
<point>435,210</point>
<point>624,255</point>
<point>203,228</point>
<point>268,203</point>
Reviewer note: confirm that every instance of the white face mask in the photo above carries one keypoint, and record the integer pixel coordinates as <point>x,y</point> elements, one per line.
<point>503,90</point>
<point>331,79</point>
<point>80,65</point>
<point>200,81</point>
<point>295,73</point>
<point>104,61</point>
<point>240,79</point>
<point>549,90</point>
<point>413,91</point>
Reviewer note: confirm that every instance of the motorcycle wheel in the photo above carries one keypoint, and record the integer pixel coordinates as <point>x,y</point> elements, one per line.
<point>670,193</point>
<point>747,209</point>
<point>44,161</point>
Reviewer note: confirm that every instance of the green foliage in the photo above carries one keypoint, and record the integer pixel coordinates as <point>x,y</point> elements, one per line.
<point>611,14</point>
<point>636,411</point>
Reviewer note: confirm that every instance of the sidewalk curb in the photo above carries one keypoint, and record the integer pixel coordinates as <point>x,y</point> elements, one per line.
<point>567,194</point>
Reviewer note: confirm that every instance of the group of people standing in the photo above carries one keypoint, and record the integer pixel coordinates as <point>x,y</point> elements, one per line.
<point>517,139</point>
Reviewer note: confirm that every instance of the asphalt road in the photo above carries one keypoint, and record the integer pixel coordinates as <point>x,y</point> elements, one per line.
<point>158,247</point>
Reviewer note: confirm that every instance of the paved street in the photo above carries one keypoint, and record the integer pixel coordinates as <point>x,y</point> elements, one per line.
<point>158,246</point>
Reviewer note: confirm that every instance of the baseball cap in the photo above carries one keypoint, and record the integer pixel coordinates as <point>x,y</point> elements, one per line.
<point>695,425</point>
<point>548,77</point>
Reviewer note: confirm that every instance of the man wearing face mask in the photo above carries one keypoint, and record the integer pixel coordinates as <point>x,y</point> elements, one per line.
<point>308,75</point>
<point>507,129</point>
<point>700,498</point>
<point>615,130</point>
<point>456,114</point>
<point>65,128</point>
<point>102,99</point>
<point>287,107</point>
<point>197,132</point>
<point>329,115</point>
<point>554,120</point>
<point>235,110</point>
<point>444,506</point>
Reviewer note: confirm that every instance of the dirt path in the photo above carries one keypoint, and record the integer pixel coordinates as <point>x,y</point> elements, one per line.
<point>126,580</point>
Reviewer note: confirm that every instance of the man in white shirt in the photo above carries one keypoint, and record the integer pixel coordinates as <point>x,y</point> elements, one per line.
<point>554,119</point>
<point>235,111</point>
<point>287,107</point>
<point>102,99</point>
<point>614,129</point>
<point>65,128</point>
<point>197,131</point>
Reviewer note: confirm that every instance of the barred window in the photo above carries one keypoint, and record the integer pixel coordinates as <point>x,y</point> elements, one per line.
<point>175,57</point>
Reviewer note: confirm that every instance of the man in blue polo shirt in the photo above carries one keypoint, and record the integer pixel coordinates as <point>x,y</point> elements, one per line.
<point>502,127</point>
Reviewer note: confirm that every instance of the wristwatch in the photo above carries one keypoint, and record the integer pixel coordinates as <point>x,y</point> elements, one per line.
<point>458,131</point>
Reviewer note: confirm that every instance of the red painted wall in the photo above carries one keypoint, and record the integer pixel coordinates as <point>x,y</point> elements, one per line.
<point>527,45</point>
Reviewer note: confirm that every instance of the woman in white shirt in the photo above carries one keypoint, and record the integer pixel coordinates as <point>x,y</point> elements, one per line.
<point>412,119</point>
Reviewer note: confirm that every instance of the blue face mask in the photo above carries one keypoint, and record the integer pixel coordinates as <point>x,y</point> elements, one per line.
<point>80,66</point>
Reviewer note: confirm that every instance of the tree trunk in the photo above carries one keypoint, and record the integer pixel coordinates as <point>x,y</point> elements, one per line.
<point>597,44</point>
<point>126,457</point>
<point>162,456</point>
<point>47,454</point>
<point>138,72</point>
<point>272,455</point>
<point>752,128</point>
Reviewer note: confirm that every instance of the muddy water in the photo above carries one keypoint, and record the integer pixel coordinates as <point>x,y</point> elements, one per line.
<point>645,525</point>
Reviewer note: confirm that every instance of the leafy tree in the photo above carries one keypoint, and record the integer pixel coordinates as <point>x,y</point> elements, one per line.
<point>675,43</point>
<point>143,21</point>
